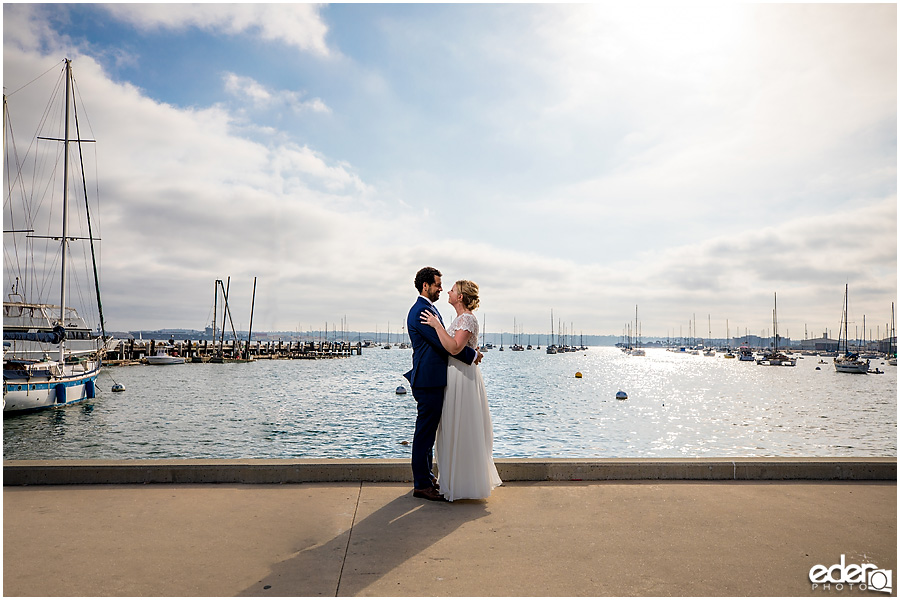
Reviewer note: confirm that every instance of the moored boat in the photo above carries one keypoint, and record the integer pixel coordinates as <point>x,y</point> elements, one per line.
<point>162,357</point>
<point>36,384</point>
<point>70,353</point>
<point>776,358</point>
<point>847,361</point>
<point>850,363</point>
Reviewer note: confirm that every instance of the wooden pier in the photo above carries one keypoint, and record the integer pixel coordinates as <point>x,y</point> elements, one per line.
<point>128,352</point>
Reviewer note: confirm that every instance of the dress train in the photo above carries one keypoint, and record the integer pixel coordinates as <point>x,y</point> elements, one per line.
<point>465,438</point>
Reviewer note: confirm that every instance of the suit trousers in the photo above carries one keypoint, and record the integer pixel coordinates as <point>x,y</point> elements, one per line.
<point>430,403</point>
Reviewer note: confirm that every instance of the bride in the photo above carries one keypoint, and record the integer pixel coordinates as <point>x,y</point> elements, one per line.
<point>465,437</point>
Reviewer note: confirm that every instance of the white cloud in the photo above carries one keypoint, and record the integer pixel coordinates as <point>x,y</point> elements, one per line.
<point>295,24</point>
<point>263,98</point>
<point>184,200</point>
<point>805,260</point>
<point>681,180</point>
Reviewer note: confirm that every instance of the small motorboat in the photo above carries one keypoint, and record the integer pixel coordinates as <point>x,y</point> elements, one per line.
<point>164,358</point>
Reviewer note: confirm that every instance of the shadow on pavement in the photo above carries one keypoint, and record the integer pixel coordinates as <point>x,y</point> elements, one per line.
<point>378,543</point>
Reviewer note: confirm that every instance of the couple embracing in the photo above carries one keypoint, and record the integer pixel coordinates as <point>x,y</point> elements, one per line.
<point>453,415</point>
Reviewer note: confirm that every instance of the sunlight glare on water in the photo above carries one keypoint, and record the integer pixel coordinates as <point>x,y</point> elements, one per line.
<point>678,405</point>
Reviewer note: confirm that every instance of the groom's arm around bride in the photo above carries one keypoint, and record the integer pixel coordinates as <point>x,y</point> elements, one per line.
<point>429,356</point>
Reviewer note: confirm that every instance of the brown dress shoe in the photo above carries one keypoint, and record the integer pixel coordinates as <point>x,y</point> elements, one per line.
<point>429,494</point>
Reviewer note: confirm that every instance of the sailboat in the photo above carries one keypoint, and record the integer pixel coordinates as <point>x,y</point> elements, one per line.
<point>692,332</point>
<point>846,361</point>
<point>516,347</point>
<point>388,346</point>
<point>710,351</point>
<point>728,352</point>
<point>637,351</point>
<point>551,347</point>
<point>59,376</point>
<point>776,358</point>
<point>892,344</point>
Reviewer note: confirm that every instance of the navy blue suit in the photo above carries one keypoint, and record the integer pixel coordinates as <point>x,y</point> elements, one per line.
<point>428,378</point>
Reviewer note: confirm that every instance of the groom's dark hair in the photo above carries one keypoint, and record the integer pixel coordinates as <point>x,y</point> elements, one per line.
<point>426,275</point>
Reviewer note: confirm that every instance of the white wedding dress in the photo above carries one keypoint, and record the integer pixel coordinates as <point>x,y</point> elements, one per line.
<point>465,437</point>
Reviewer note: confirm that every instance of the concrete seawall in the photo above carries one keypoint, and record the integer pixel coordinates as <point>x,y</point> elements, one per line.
<point>270,471</point>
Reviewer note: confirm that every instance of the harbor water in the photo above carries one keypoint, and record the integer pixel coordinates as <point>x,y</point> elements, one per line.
<point>679,405</point>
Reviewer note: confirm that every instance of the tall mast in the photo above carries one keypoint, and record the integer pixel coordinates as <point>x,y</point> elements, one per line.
<point>87,213</point>
<point>215,312</point>
<point>638,344</point>
<point>775,322</point>
<point>224,311</point>
<point>551,326</point>
<point>65,212</point>
<point>846,318</point>
<point>250,330</point>
<point>863,338</point>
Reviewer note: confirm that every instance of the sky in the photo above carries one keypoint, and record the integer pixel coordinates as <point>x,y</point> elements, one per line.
<point>692,161</point>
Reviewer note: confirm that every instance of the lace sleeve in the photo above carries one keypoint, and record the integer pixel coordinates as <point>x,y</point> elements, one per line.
<point>469,323</point>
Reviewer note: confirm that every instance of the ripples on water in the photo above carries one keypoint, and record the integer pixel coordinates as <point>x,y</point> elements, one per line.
<point>678,406</point>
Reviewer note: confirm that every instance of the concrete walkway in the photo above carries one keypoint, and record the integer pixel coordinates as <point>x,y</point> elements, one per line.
<point>530,538</point>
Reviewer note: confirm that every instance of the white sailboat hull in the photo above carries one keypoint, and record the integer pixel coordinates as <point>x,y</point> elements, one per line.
<point>45,385</point>
<point>851,366</point>
<point>777,362</point>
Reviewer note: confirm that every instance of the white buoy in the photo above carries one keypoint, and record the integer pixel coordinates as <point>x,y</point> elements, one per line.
<point>401,389</point>
<point>620,395</point>
<point>118,387</point>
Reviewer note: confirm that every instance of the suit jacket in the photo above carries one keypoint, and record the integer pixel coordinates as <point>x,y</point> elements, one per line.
<point>429,355</point>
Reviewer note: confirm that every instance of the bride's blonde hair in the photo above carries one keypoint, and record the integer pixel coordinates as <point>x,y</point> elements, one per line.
<point>469,292</point>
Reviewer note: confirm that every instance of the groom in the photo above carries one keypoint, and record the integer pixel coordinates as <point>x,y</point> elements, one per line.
<point>428,378</point>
